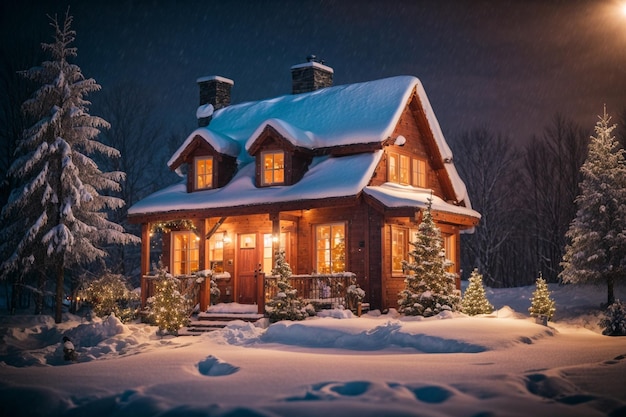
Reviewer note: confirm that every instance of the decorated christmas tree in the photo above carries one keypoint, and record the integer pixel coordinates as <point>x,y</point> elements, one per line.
<point>541,303</point>
<point>475,300</point>
<point>111,294</point>
<point>286,305</point>
<point>168,308</point>
<point>429,287</point>
<point>614,321</point>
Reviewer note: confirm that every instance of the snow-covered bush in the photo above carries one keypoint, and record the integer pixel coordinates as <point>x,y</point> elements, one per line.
<point>111,294</point>
<point>168,308</point>
<point>541,303</point>
<point>213,289</point>
<point>429,287</point>
<point>475,300</point>
<point>286,305</point>
<point>614,321</point>
<point>354,296</point>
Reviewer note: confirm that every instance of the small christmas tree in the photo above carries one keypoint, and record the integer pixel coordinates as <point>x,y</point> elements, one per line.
<point>541,303</point>
<point>429,287</point>
<point>111,294</point>
<point>168,308</point>
<point>286,305</point>
<point>475,300</point>
<point>614,321</point>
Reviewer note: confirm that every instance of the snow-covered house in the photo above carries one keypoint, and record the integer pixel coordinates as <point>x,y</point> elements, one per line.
<point>337,176</point>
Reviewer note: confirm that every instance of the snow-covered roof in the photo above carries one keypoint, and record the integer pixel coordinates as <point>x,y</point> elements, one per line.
<point>319,182</point>
<point>222,144</point>
<point>361,113</point>
<point>396,196</point>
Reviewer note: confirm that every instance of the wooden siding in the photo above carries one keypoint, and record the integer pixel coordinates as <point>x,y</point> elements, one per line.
<point>414,147</point>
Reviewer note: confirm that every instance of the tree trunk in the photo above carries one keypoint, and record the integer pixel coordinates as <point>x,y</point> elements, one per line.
<point>58,299</point>
<point>610,292</point>
<point>39,294</point>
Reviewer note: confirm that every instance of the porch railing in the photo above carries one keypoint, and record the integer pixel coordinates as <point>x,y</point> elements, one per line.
<point>321,290</point>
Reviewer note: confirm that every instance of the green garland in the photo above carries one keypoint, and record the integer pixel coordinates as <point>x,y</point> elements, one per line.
<point>166,227</point>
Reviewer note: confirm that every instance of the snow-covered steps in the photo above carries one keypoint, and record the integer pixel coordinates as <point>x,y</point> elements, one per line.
<point>209,321</point>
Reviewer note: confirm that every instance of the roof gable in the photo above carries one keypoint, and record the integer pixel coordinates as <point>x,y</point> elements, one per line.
<point>220,143</point>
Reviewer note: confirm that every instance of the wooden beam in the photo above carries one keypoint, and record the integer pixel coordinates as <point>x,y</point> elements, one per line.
<point>216,226</point>
<point>145,261</point>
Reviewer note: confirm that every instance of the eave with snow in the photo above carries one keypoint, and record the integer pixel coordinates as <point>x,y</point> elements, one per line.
<point>337,176</point>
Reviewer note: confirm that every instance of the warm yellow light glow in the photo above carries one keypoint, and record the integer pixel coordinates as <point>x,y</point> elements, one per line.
<point>623,8</point>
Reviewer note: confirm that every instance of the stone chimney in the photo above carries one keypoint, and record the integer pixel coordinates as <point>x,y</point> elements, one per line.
<point>214,95</point>
<point>310,76</point>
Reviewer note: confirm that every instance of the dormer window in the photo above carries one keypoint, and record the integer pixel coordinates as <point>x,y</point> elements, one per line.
<point>203,172</point>
<point>405,170</point>
<point>273,167</point>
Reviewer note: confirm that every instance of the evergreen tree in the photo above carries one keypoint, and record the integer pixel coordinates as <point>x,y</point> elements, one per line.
<point>475,300</point>
<point>541,303</point>
<point>111,294</point>
<point>429,287</point>
<point>614,321</point>
<point>168,308</point>
<point>286,305</point>
<point>54,218</point>
<point>596,251</point>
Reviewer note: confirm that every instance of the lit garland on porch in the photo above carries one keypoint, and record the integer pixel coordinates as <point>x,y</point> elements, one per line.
<point>168,226</point>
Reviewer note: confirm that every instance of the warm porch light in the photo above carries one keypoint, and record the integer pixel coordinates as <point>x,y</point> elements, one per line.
<point>274,238</point>
<point>226,238</point>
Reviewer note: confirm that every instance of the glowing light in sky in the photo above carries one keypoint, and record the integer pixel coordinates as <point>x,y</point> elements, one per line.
<point>623,8</point>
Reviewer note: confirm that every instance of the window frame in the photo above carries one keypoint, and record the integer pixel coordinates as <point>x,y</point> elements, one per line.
<point>206,176</point>
<point>328,250</point>
<point>264,170</point>
<point>406,169</point>
<point>185,266</point>
<point>215,252</point>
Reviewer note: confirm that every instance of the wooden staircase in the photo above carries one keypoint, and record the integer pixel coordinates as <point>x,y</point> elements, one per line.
<point>207,322</point>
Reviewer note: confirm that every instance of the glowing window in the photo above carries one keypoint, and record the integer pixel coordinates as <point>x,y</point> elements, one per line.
<point>273,167</point>
<point>393,168</point>
<point>268,254</point>
<point>330,247</point>
<point>215,255</point>
<point>185,253</point>
<point>398,248</point>
<point>405,170</point>
<point>419,173</point>
<point>204,172</point>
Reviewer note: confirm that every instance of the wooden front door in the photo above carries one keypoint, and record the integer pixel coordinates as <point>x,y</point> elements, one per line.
<point>247,265</point>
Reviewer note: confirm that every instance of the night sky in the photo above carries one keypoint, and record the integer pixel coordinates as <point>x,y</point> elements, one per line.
<point>502,64</point>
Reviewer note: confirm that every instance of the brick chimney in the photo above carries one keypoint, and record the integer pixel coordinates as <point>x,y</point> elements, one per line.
<point>214,95</point>
<point>310,76</point>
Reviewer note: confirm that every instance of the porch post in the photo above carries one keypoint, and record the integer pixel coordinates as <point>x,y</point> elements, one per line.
<point>204,288</point>
<point>145,261</point>
<point>260,292</point>
<point>275,234</point>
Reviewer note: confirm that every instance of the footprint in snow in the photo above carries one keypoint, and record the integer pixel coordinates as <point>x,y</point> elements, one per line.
<point>212,366</point>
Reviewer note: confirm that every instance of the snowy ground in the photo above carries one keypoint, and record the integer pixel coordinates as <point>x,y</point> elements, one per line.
<point>377,365</point>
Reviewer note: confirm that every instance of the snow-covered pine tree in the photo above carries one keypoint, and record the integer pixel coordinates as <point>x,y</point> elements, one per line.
<point>56,210</point>
<point>429,287</point>
<point>540,303</point>
<point>475,300</point>
<point>614,321</point>
<point>597,236</point>
<point>286,305</point>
